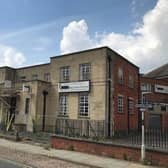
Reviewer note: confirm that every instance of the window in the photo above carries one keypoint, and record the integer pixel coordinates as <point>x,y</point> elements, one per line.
<point>63,104</point>
<point>47,77</point>
<point>34,77</point>
<point>146,87</point>
<point>120,104</point>
<point>85,72</point>
<point>120,76</point>
<point>130,81</point>
<point>65,74</point>
<point>130,105</point>
<point>27,105</point>
<point>84,105</point>
<point>163,107</point>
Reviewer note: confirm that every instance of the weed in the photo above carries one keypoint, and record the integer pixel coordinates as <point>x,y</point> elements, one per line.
<point>113,156</point>
<point>47,147</point>
<point>70,147</point>
<point>125,157</point>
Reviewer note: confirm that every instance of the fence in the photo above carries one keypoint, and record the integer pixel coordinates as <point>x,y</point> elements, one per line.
<point>154,138</point>
<point>80,128</point>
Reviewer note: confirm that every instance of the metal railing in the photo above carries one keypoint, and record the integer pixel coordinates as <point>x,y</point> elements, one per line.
<point>156,139</point>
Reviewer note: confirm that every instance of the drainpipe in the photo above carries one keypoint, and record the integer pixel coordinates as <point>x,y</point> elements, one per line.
<point>109,97</point>
<point>128,117</point>
<point>45,93</point>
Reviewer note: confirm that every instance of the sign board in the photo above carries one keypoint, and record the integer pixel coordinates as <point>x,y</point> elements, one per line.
<point>144,106</point>
<point>25,88</point>
<point>161,89</point>
<point>82,86</point>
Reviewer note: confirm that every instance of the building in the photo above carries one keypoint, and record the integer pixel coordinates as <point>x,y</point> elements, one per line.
<point>155,83</point>
<point>159,73</point>
<point>96,84</point>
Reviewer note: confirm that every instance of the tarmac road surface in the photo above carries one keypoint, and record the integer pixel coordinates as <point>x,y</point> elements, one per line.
<point>10,164</point>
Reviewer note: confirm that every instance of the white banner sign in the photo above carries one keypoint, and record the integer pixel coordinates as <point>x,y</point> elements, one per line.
<point>83,86</point>
<point>161,89</point>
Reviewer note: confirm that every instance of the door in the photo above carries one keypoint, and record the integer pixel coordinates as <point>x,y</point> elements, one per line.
<point>155,121</point>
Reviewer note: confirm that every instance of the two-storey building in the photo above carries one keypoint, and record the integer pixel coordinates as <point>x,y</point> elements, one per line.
<point>96,84</point>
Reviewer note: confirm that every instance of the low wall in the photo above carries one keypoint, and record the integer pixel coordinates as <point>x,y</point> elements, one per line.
<point>108,149</point>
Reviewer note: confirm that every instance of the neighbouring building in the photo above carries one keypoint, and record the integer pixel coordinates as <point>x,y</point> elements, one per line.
<point>154,85</point>
<point>96,84</point>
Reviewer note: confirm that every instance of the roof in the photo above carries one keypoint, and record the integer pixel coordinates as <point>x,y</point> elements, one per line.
<point>93,49</point>
<point>73,53</point>
<point>161,71</point>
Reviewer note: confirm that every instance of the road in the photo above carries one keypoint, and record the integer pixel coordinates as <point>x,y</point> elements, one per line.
<point>8,164</point>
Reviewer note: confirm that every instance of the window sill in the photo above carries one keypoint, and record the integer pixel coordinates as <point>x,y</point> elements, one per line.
<point>83,117</point>
<point>120,113</point>
<point>63,116</point>
<point>131,114</point>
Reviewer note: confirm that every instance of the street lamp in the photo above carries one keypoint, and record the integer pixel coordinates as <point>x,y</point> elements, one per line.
<point>143,109</point>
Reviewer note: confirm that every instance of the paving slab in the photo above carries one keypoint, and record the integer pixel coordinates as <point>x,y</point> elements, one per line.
<point>72,156</point>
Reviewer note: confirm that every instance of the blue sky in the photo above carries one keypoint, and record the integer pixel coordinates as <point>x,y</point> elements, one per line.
<point>34,28</point>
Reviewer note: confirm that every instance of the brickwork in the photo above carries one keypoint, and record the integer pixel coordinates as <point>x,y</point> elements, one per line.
<point>109,150</point>
<point>125,120</point>
<point>157,99</point>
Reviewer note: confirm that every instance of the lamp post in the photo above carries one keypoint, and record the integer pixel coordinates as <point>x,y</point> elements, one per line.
<point>143,109</point>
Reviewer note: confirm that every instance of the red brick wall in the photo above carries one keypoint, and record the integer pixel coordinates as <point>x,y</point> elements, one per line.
<point>121,120</point>
<point>155,97</point>
<point>165,120</point>
<point>109,150</point>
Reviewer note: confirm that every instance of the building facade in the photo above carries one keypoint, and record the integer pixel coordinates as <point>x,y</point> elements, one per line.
<point>96,84</point>
<point>155,86</point>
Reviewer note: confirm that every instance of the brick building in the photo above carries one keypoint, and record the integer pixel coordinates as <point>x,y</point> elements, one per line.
<point>96,84</point>
<point>156,83</point>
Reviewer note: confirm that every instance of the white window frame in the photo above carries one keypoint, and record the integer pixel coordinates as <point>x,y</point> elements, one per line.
<point>85,71</point>
<point>120,104</point>
<point>147,87</point>
<point>63,104</point>
<point>84,105</point>
<point>65,74</point>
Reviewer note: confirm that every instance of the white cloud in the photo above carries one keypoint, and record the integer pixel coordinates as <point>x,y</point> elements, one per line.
<point>9,56</point>
<point>76,37</point>
<point>146,45</point>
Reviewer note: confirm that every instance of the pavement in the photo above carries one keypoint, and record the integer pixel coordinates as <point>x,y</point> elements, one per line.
<point>71,156</point>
